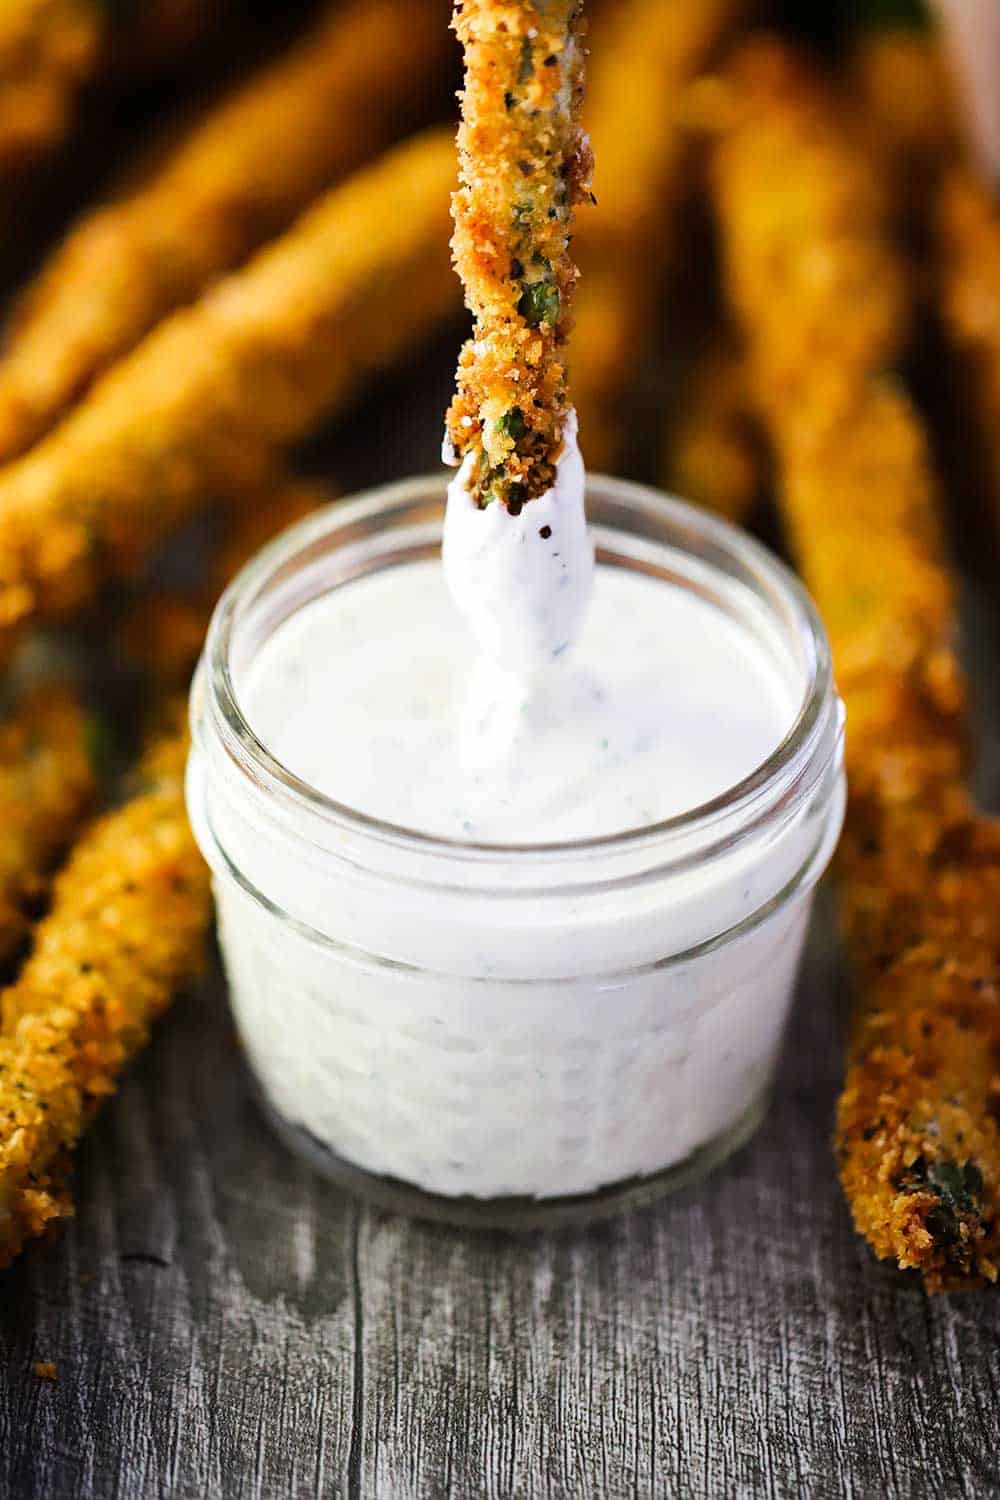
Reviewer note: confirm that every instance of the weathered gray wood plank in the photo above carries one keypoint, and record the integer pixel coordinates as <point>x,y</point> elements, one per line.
<point>226,1324</point>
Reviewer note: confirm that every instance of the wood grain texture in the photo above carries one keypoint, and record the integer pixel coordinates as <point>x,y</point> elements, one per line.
<point>227,1324</point>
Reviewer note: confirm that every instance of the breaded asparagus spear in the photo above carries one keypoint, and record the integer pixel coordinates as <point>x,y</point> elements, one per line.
<point>896,70</point>
<point>249,368</point>
<point>102,969</point>
<point>128,915</point>
<point>784,117</point>
<point>811,276</point>
<point>47,784</point>
<point>919,869</point>
<point>523,165</point>
<point>237,177</point>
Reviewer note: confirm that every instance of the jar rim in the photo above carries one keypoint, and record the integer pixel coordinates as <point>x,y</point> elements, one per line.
<point>695,531</point>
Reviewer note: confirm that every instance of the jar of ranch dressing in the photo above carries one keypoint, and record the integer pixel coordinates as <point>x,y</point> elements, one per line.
<point>506,949</point>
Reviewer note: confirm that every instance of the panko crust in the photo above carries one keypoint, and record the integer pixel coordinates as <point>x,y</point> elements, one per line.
<point>523,166</point>
<point>816,284</point>
<point>128,916</point>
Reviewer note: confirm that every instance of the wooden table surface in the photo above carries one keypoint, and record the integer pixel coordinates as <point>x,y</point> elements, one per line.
<point>225,1323</point>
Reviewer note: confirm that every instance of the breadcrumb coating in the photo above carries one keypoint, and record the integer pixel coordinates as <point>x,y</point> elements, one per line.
<point>128,916</point>
<point>102,969</point>
<point>47,784</point>
<point>205,400</point>
<point>523,166</point>
<point>237,177</point>
<point>812,276</point>
<point>917,1130</point>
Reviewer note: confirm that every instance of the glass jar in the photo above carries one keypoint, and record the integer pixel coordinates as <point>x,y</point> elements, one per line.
<point>513,1035</point>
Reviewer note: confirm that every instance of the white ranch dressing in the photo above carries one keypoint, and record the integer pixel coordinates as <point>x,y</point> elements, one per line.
<point>529,706</point>
<point>372,695</point>
<point>536,1039</point>
<point>521,583</point>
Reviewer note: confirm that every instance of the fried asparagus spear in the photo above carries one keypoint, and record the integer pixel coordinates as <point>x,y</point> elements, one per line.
<point>128,916</point>
<point>104,964</point>
<point>833,196</point>
<point>238,176</point>
<point>644,55</point>
<point>896,71</point>
<point>523,166</point>
<point>919,870</point>
<point>812,278</point>
<point>209,395</point>
<point>47,785</point>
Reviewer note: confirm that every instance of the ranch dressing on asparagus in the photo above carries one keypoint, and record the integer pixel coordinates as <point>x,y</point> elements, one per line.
<point>522,583</point>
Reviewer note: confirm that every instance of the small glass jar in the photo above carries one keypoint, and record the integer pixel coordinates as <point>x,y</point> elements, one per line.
<point>513,1036</point>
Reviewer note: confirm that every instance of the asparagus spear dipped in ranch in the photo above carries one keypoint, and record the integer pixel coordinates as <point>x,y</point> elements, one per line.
<point>516,552</point>
<point>672,697</point>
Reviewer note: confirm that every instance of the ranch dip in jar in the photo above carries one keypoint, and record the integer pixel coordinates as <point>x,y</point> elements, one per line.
<point>514,853</point>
